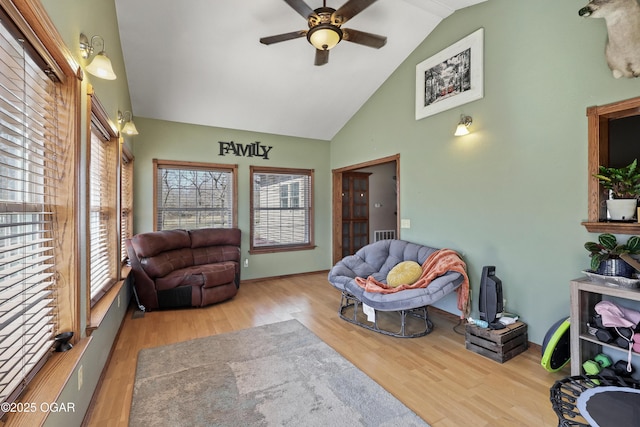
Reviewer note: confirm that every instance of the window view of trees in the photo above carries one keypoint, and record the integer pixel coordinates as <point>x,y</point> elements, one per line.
<point>194,198</point>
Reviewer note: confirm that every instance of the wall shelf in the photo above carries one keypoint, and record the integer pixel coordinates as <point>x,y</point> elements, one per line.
<point>613,227</point>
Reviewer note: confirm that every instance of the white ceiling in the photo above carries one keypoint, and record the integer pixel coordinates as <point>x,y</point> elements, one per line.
<point>200,62</point>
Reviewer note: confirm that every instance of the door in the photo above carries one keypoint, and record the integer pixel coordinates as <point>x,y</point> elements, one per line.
<point>344,234</point>
<point>355,211</point>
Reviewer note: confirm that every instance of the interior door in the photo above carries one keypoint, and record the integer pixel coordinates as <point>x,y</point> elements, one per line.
<point>355,211</point>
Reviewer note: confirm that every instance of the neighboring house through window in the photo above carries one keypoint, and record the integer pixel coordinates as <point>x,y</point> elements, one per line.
<point>281,209</point>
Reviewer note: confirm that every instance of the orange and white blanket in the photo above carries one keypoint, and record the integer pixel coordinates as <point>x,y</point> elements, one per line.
<point>437,264</point>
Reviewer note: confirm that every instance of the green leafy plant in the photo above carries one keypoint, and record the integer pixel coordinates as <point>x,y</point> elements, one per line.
<point>623,182</point>
<point>608,248</point>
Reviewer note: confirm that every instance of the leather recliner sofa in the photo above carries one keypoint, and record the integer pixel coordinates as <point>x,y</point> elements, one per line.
<point>185,268</point>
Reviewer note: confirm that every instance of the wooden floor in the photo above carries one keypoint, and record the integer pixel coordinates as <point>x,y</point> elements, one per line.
<point>434,375</point>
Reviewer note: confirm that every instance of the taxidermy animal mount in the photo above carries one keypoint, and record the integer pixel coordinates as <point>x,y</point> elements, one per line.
<point>623,26</point>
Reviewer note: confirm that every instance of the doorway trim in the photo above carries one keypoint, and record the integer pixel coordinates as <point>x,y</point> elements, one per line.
<point>337,199</point>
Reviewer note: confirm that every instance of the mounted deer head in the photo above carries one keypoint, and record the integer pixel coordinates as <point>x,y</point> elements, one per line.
<point>623,26</point>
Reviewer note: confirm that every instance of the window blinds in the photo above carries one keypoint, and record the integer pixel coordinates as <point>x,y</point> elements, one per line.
<point>29,164</point>
<point>126,202</point>
<point>102,209</point>
<point>281,207</point>
<point>190,197</point>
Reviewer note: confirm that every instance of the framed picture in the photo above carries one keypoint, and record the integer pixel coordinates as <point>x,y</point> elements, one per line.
<point>451,77</point>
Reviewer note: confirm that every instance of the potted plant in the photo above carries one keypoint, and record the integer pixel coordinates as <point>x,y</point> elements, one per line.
<point>623,184</point>
<point>605,255</point>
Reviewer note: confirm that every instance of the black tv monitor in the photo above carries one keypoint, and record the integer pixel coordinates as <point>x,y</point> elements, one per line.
<point>490,301</point>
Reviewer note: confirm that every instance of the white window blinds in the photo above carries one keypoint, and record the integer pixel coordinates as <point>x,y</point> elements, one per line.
<point>29,175</point>
<point>281,208</point>
<point>104,252</point>
<point>126,202</point>
<point>190,196</point>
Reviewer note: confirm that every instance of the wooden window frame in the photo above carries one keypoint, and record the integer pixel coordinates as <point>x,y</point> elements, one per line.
<point>216,167</point>
<point>598,134</point>
<point>310,226</point>
<point>127,165</point>
<point>98,118</point>
<point>31,20</point>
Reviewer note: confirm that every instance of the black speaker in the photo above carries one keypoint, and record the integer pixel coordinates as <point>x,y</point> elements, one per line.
<point>490,298</point>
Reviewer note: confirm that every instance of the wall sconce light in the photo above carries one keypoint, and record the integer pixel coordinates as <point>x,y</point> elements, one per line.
<point>101,65</point>
<point>463,125</point>
<point>129,127</point>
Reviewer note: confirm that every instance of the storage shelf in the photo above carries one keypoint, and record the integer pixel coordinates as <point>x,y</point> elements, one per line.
<point>594,340</point>
<point>585,294</point>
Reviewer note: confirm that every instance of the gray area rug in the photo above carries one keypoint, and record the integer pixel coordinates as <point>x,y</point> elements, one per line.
<point>273,375</point>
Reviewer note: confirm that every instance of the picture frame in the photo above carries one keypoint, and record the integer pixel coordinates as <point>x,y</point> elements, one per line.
<point>451,77</point>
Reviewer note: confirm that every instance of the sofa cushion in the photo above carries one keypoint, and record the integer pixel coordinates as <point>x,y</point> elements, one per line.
<point>404,273</point>
<point>376,260</point>
<point>204,237</point>
<point>214,254</point>
<point>166,262</point>
<point>383,255</point>
<point>410,298</point>
<point>207,276</point>
<point>218,274</point>
<point>151,244</point>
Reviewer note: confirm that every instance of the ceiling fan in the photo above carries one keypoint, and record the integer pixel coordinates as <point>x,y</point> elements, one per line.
<point>325,30</point>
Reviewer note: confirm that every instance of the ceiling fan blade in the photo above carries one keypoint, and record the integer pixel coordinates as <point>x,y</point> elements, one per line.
<point>301,7</point>
<point>349,10</point>
<point>322,57</point>
<point>366,39</point>
<point>283,37</point>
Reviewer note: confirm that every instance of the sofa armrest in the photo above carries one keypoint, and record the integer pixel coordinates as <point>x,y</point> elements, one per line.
<point>145,286</point>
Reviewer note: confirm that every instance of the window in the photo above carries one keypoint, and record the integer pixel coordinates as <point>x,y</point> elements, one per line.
<point>606,138</point>
<point>281,209</point>
<point>38,99</point>
<point>126,201</point>
<point>103,235</point>
<point>192,195</point>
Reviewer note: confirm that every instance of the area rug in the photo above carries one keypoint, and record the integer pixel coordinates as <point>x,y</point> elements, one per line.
<point>273,375</point>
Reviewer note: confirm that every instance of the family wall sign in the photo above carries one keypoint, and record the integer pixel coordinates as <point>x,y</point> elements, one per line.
<point>254,149</point>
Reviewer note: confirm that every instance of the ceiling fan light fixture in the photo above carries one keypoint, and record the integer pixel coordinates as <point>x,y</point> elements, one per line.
<point>324,36</point>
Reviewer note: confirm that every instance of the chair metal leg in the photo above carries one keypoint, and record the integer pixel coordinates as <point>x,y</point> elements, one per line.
<point>349,301</point>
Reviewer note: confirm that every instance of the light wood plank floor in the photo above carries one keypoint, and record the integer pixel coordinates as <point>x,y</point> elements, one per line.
<point>435,375</point>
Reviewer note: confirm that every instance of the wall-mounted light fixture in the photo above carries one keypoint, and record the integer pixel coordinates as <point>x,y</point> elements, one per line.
<point>463,125</point>
<point>129,127</point>
<point>100,66</point>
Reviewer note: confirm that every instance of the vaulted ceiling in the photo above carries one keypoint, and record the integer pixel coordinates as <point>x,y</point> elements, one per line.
<point>201,62</point>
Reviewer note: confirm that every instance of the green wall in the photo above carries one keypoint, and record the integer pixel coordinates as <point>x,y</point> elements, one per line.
<point>71,17</point>
<point>178,141</point>
<point>513,192</point>
<point>94,17</point>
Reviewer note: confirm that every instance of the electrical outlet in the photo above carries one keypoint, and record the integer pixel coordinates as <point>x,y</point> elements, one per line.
<point>246,262</point>
<point>80,376</point>
<point>118,300</point>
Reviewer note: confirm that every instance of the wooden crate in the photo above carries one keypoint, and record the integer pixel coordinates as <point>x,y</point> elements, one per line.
<point>499,345</point>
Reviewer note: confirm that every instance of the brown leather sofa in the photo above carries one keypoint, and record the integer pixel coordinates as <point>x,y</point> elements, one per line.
<point>185,268</point>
